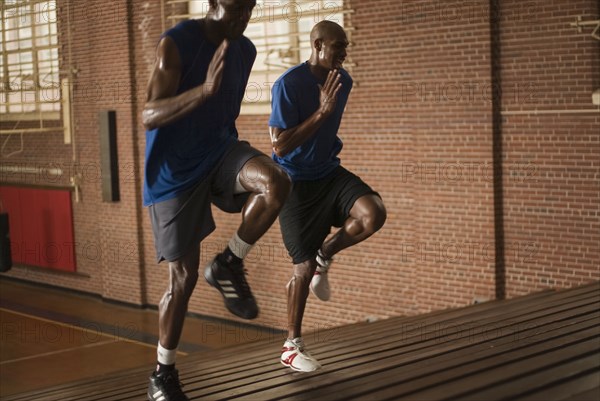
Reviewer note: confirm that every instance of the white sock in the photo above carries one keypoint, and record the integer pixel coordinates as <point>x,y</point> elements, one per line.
<point>166,356</point>
<point>238,247</point>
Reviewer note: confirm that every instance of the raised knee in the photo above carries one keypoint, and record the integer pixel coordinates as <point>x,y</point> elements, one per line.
<point>279,187</point>
<point>282,181</point>
<point>375,219</point>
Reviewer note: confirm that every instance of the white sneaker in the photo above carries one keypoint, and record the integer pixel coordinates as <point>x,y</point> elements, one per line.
<point>294,356</point>
<point>319,284</point>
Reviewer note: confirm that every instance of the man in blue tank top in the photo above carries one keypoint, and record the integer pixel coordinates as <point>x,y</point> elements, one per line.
<point>307,106</point>
<point>193,159</point>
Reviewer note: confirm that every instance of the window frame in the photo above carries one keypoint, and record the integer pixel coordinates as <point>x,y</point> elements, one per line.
<point>39,15</point>
<point>296,13</point>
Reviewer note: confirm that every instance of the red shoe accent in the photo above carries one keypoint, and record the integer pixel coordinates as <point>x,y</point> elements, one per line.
<point>288,361</point>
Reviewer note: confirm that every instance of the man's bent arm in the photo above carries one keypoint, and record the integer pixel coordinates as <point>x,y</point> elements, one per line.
<point>285,141</point>
<point>163,106</point>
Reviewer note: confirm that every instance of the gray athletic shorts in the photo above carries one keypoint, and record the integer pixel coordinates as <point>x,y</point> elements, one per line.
<point>182,222</point>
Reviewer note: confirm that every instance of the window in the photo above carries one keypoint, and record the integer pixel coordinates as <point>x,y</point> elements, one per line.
<point>29,66</point>
<point>280,30</point>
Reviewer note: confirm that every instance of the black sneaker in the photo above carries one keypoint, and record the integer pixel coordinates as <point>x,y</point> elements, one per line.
<point>165,387</point>
<point>230,280</point>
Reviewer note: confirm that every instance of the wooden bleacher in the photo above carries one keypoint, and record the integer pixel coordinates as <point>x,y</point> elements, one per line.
<point>544,346</point>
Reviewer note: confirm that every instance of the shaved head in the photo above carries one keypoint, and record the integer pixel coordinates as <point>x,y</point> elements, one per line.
<point>328,41</point>
<point>325,30</point>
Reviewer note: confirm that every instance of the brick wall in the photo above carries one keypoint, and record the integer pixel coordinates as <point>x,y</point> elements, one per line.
<point>551,161</point>
<point>419,128</point>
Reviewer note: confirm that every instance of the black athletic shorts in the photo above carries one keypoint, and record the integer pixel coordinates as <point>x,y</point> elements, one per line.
<point>181,223</point>
<point>314,207</point>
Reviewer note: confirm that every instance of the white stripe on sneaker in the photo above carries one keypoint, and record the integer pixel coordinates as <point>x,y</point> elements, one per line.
<point>227,289</point>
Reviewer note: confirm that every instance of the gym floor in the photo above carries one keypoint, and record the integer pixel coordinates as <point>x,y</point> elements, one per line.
<point>50,336</point>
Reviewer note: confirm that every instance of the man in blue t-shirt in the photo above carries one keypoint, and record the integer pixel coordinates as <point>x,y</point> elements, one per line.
<point>307,107</point>
<point>193,159</point>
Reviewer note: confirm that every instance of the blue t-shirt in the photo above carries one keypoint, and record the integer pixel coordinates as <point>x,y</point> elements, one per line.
<point>181,154</point>
<point>296,96</point>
